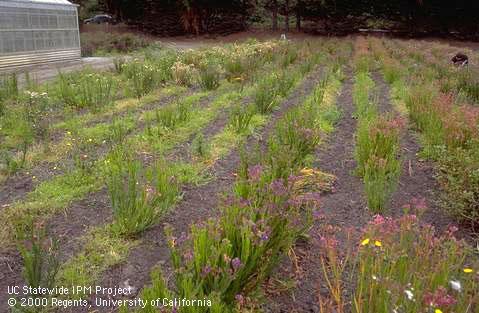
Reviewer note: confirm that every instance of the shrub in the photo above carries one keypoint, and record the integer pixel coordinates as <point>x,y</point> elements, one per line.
<point>99,43</point>
<point>36,107</point>
<point>459,176</point>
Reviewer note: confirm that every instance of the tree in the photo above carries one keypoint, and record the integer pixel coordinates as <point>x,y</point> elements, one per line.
<point>286,15</point>
<point>275,15</point>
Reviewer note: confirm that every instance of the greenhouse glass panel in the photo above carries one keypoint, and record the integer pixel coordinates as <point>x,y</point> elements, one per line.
<point>34,31</point>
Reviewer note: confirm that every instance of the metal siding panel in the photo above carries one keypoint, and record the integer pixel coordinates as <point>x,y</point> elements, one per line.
<point>8,62</point>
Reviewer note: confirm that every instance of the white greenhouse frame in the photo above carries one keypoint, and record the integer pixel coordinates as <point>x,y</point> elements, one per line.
<point>38,31</point>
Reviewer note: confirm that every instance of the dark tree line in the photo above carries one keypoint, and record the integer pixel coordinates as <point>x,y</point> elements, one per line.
<point>205,16</point>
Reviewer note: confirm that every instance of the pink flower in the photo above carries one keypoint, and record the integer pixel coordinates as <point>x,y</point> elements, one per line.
<point>254,172</point>
<point>439,298</point>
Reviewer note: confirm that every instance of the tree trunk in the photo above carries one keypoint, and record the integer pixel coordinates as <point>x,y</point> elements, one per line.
<point>298,15</point>
<point>286,16</point>
<point>275,15</point>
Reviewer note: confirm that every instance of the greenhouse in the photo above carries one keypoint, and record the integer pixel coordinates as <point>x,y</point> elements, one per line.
<point>38,31</point>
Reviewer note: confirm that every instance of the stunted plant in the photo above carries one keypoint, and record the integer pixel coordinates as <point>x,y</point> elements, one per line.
<point>200,147</point>
<point>240,118</point>
<point>40,257</point>
<point>377,149</point>
<point>139,196</point>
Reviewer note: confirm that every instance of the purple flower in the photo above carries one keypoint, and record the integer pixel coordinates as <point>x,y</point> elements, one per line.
<point>236,263</point>
<point>183,237</point>
<point>240,299</point>
<point>254,172</point>
<point>278,188</point>
<point>263,235</point>
<point>317,215</point>
<point>206,270</point>
<point>188,255</point>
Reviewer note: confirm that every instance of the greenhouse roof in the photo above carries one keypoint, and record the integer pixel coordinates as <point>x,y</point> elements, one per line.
<point>36,3</point>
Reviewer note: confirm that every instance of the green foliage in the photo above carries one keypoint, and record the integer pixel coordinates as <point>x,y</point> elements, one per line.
<point>209,76</point>
<point>40,258</point>
<point>266,95</point>
<point>172,115</point>
<point>142,78</point>
<point>8,89</point>
<point>86,90</point>
<point>99,43</point>
<point>132,210</point>
<point>459,176</point>
<point>240,118</point>
<point>200,147</point>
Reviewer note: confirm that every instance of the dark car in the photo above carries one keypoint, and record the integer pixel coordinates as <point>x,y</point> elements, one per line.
<point>100,19</point>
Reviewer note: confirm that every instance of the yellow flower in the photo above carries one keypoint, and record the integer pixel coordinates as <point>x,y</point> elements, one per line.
<point>468,270</point>
<point>437,311</point>
<point>378,243</point>
<point>365,242</point>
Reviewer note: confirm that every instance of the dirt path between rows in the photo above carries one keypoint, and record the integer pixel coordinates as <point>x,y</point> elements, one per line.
<point>345,206</point>
<point>198,204</point>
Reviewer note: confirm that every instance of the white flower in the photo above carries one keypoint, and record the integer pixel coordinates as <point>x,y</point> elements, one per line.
<point>374,277</point>
<point>456,285</point>
<point>409,294</point>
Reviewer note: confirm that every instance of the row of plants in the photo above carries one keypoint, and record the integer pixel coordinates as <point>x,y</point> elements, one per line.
<point>96,92</point>
<point>398,265</point>
<point>139,197</point>
<point>53,195</point>
<point>449,131</point>
<point>377,138</point>
<point>89,263</point>
<point>226,259</point>
<point>395,264</point>
<point>460,80</point>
